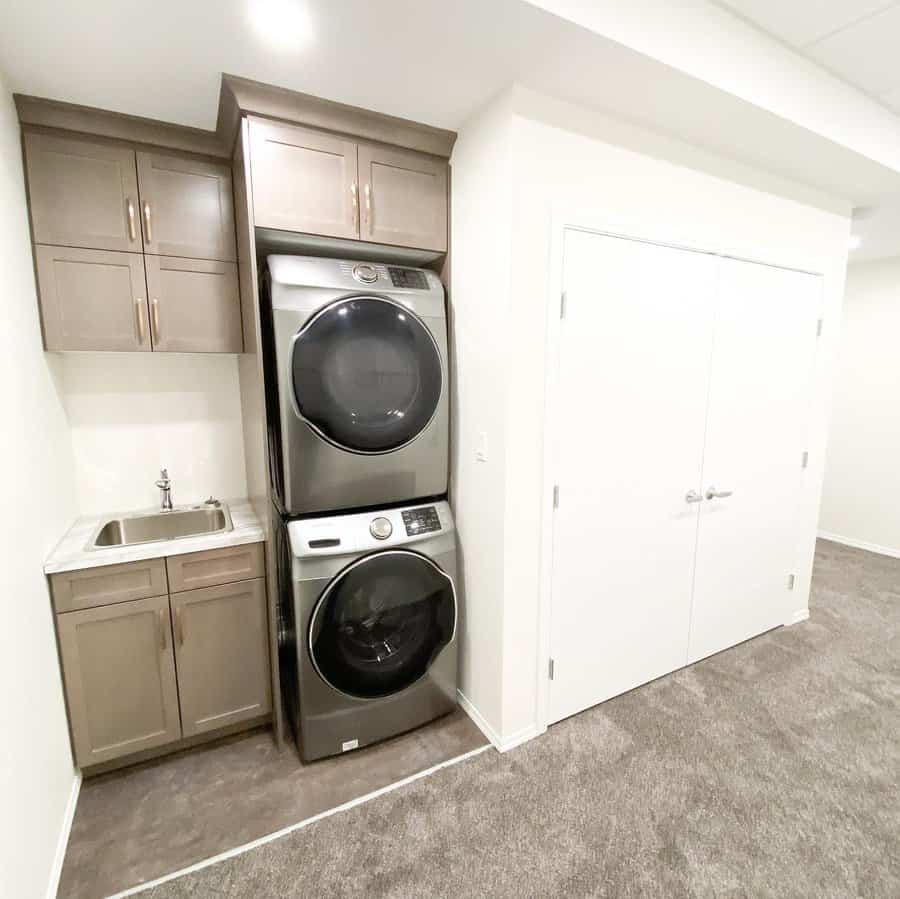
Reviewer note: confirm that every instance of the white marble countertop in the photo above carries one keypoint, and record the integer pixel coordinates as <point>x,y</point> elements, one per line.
<point>71,552</point>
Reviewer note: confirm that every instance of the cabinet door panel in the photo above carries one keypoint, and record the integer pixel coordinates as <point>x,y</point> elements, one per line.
<point>195,306</point>
<point>108,584</point>
<point>211,567</point>
<point>404,198</point>
<point>756,433</point>
<point>223,655</point>
<point>92,299</point>
<point>303,181</point>
<point>119,672</point>
<point>186,207</point>
<point>82,194</point>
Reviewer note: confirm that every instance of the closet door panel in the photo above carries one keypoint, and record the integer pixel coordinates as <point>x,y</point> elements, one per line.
<point>630,412</point>
<point>759,403</point>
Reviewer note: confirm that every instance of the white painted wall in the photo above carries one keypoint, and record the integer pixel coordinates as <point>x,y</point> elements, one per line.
<point>131,414</point>
<point>37,776</point>
<point>567,158</point>
<point>479,310</point>
<point>862,476</point>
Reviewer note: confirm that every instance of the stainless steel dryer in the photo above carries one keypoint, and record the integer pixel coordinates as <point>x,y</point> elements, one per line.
<point>362,383</point>
<point>370,635</point>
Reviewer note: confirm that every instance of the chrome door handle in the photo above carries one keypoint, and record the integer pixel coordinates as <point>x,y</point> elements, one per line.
<point>693,497</point>
<point>712,493</point>
<point>132,228</point>
<point>148,229</point>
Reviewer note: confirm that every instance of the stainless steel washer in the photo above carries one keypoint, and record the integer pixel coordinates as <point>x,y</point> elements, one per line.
<point>361,377</point>
<point>372,641</point>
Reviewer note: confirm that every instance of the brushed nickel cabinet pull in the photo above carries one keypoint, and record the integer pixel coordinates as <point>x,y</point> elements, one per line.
<point>148,228</point>
<point>162,630</point>
<point>354,193</point>
<point>369,206</point>
<point>132,227</point>
<point>179,626</point>
<point>139,314</point>
<point>154,310</point>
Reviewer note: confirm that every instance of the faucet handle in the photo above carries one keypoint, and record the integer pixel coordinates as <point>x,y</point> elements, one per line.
<point>164,474</point>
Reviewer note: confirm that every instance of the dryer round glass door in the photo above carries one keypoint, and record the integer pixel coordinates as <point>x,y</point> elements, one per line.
<point>381,622</point>
<point>366,375</point>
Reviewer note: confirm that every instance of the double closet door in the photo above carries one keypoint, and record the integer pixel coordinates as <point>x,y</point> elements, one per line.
<point>682,412</point>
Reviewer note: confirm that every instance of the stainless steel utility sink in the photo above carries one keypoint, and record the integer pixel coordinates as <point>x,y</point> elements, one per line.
<point>146,527</point>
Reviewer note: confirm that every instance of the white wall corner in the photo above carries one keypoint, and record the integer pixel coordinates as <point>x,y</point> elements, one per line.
<point>480,721</point>
<point>64,832</point>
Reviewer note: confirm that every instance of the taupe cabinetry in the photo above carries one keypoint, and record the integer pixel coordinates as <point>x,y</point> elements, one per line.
<point>119,674</point>
<point>82,194</point>
<point>186,207</point>
<point>194,305</point>
<point>222,651</point>
<point>166,278</point>
<point>404,198</point>
<point>92,299</point>
<point>146,665</point>
<point>316,183</point>
<point>303,181</point>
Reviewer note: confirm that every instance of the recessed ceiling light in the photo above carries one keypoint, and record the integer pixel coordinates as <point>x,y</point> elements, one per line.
<point>281,22</point>
<point>854,242</point>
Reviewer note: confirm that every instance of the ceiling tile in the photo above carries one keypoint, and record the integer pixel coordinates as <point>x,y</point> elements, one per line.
<point>800,22</point>
<point>865,54</point>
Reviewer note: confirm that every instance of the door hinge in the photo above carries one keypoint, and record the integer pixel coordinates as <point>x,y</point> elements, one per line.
<point>550,669</point>
<point>819,325</point>
<point>562,305</point>
<point>805,461</point>
<point>790,582</point>
<point>556,496</point>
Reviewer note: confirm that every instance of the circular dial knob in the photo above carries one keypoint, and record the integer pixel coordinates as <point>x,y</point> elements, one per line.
<point>365,273</point>
<point>381,528</point>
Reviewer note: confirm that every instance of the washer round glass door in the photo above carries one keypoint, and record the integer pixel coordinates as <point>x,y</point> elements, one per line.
<point>381,622</point>
<point>366,374</point>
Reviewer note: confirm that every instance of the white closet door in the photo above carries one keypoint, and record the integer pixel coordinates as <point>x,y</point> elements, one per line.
<point>759,402</point>
<point>630,410</point>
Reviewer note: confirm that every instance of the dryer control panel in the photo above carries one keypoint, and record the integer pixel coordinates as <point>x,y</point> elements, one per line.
<point>421,521</point>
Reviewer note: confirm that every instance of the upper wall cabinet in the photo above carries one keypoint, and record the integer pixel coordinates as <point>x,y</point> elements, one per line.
<point>303,181</point>
<point>404,198</point>
<point>186,207</point>
<point>82,194</point>
<point>134,250</point>
<point>316,183</point>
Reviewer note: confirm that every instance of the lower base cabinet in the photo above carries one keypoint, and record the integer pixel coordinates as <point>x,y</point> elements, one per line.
<point>141,673</point>
<point>119,675</point>
<point>221,651</point>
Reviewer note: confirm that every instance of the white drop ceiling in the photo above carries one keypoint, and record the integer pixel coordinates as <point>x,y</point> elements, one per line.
<point>857,40</point>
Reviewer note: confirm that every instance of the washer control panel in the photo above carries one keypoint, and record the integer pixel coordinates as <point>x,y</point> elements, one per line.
<point>381,528</point>
<point>421,521</point>
<point>368,274</point>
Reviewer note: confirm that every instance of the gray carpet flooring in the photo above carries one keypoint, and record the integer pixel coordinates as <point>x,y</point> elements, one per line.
<point>769,770</point>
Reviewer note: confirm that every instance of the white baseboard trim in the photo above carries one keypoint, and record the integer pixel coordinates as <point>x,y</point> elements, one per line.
<point>797,617</point>
<point>479,719</point>
<point>501,744</point>
<point>63,841</point>
<point>891,551</point>
<point>268,838</point>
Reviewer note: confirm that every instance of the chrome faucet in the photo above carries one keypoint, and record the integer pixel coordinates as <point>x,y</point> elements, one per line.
<point>165,491</point>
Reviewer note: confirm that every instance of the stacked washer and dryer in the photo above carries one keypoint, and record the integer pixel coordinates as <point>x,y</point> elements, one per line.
<point>358,412</point>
